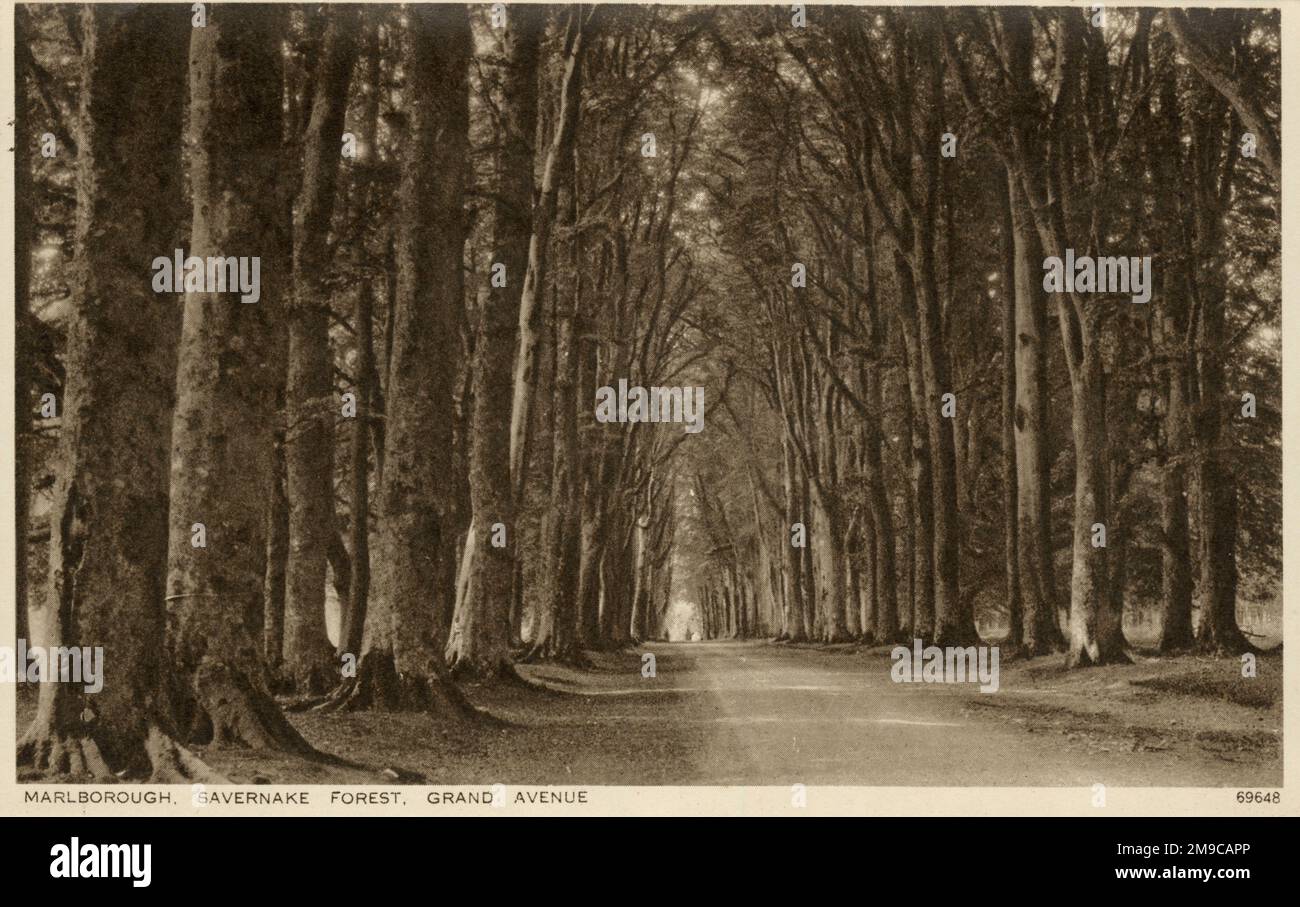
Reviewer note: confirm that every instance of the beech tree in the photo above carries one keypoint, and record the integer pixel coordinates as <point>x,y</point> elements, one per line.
<point>310,400</point>
<point>24,214</point>
<point>108,549</point>
<point>225,390</point>
<point>401,664</point>
<point>480,636</point>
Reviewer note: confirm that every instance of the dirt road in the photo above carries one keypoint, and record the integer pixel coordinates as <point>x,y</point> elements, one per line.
<point>754,713</point>
<point>765,714</point>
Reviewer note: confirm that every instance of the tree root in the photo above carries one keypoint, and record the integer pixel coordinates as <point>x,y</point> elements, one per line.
<point>1229,641</point>
<point>236,713</point>
<point>309,703</point>
<point>379,687</point>
<point>543,651</point>
<point>173,763</point>
<point>1081,658</point>
<point>956,638</point>
<point>48,753</point>
<point>240,714</point>
<point>311,684</point>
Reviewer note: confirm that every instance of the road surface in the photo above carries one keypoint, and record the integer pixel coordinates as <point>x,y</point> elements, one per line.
<point>753,713</point>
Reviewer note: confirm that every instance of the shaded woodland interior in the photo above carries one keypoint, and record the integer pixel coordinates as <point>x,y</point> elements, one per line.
<point>386,477</point>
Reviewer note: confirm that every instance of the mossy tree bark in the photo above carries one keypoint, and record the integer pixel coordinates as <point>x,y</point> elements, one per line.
<point>108,536</point>
<point>226,383</point>
<point>402,664</point>
<point>479,644</point>
<point>309,665</point>
<point>23,233</point>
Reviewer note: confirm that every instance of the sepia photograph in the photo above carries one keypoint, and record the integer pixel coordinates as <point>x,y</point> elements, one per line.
<point>507,406</point>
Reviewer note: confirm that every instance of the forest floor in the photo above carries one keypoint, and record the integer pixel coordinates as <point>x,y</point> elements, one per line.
<point>1198,709</point>
<point>758,713</point>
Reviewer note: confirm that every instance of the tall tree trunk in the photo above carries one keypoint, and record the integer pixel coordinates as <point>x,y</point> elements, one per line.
<point>1042,630</point>
<point>1010,525</point>
<point>352,620</point>
<point>636,621</point>
<point>1176,632</point>
<point>881,531</point>
<point>857,617</point>
<point>793,618</point>
<point>108,525</point>
<point>954,625</point>
<point>591,470</point>
<point>222,435</point>
<point>626,585</point>
<point>830,539</point>
<point>296,80</point>
<point>1096,635</point>
<point>1175,550</point>
<point>1216,480</point>
<point>923,613</point>
<point>277,535</point>
<point>768,592</point>
<point>23,230</point>
<point>309,665</point>
<point>590,552</point>
<point>402,663</point>
<point>870,600</point>
<point>900,400</point>
<point>1217,493</point>
<point>525,364</point>
<point>556,633</point>
<point>808,580</point>
<point>480,639</point>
